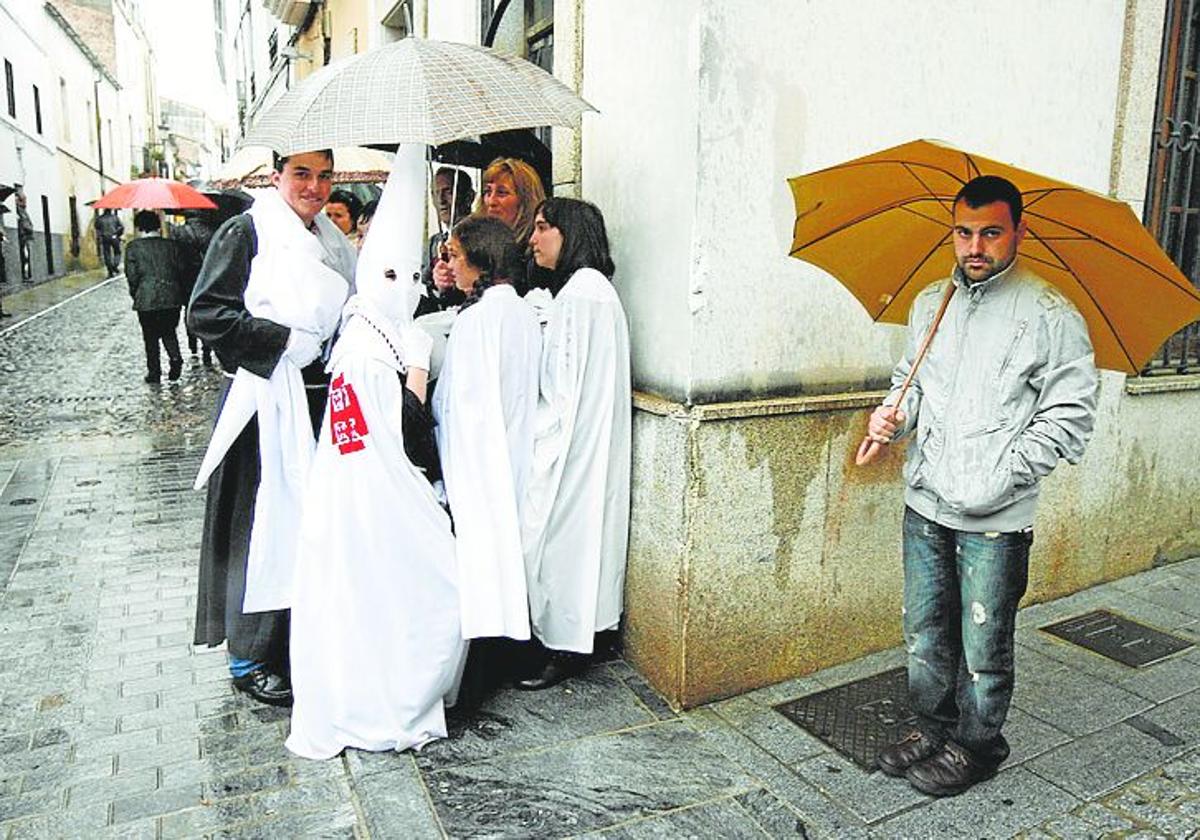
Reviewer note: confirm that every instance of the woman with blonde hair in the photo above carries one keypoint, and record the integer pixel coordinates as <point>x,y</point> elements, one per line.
<point>511,193</point>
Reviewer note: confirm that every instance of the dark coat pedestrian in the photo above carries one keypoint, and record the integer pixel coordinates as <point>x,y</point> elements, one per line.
<point>153,269</point>
<point>194,235</point>
<point>109,231</point>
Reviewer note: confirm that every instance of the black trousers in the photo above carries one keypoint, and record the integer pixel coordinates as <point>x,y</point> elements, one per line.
<point>110,246</point>
<point>159,325</point>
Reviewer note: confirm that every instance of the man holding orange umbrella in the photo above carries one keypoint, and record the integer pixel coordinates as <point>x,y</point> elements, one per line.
<point>1007,388</point>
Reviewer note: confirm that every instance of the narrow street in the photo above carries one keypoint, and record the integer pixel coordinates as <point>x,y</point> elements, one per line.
<point>113,725</point>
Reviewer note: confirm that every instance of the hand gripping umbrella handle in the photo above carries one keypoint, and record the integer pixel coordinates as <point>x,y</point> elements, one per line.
<point>869,449</point>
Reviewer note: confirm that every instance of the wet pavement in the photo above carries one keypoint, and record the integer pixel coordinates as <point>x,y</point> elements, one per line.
<point>113,725</point>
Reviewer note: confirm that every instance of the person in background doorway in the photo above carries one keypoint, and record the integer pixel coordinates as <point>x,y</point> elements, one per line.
<point>154,270</point>
<point>453,194</point>
<point>25,236</point>
<point>1007,389</point>
<point>3,265</point>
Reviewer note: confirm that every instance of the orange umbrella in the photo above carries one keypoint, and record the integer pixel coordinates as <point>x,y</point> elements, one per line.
<point>881,224</point>
<point>153,194</point>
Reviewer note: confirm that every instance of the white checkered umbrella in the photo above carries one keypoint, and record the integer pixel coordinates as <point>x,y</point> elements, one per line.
<point>415,91</point>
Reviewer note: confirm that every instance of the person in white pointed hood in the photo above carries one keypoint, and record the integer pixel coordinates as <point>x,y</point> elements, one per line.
<point>267,298</point>
<point>376,645</point>
<point>484,404</point>
<point>575,519</point>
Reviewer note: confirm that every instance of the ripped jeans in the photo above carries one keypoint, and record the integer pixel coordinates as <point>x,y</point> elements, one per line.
<point>961,591</point>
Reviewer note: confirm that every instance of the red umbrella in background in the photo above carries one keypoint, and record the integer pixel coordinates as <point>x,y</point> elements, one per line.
<point>153,194</point>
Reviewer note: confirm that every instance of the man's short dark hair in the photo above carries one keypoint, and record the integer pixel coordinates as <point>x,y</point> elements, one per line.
<point>278,160</point>
<point>465,187</point>
<point>146,221</point>
<point>987,189</point>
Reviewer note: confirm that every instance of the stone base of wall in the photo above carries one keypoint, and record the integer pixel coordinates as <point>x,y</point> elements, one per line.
<point>759,552</point>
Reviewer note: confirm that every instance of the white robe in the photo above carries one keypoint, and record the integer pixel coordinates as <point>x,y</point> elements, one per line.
<point>299,280</point>
<point>375,636</point>
<point>484,406</point>
<point>575,524</point>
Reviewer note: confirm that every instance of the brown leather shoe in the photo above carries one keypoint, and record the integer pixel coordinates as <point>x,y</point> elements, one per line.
<point>894,760</point>
<point>949,773</point>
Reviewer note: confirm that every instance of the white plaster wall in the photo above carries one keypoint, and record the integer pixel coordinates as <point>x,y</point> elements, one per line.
<point>454,20</point>
<point>718,103</point>
<point>641,67</point>
<point>27,157</point>
<point>1001,80</point>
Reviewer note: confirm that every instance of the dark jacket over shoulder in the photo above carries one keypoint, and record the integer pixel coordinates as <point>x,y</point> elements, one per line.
<point>154,270</point>
<point>217,312</point>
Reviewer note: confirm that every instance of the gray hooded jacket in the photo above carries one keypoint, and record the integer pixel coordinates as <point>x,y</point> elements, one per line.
<point>1008,387</point>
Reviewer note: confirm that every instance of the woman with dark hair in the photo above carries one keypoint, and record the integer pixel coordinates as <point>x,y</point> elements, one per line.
<point>484,404</point>
<point>575,519</point>
<point>343,209</point>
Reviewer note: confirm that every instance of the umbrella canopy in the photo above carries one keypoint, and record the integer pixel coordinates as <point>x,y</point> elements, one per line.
<point>153,194</point>
<point>252,167</point>
<point>415,91</point>
<point>882,225</point>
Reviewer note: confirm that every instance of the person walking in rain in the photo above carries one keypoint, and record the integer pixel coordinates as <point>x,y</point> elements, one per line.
<point>1007,389</point>
<point>269,295</point>
<point>154,270</point>
<point>110,230</point>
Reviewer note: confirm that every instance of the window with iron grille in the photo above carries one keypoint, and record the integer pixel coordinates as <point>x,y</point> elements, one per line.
<point>1173,192</point>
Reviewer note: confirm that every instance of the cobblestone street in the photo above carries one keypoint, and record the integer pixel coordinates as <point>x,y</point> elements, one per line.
<point>113,725</point>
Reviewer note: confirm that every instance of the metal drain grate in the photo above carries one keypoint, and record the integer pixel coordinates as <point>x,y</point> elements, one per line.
<point>857,719</point>
<point>1119,638</point>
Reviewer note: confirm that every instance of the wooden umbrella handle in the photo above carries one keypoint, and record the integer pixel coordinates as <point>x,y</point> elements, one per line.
<point>870,449</point>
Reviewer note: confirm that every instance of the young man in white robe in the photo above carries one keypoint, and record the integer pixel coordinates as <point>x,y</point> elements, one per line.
<point>267,298</point>
<point>575,524</point>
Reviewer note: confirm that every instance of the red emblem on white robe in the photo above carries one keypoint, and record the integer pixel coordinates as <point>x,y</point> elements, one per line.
<point>346,422</point>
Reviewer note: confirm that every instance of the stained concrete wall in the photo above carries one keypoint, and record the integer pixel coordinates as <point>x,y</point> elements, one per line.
<point>760,552</point>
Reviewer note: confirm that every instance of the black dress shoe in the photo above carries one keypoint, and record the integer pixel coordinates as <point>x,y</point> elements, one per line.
<point>948,773</point>
<point>560,666</point>
<point>894,760</point>
<point>265,687</point>
<point>175,370</point>
<point>151,378</point>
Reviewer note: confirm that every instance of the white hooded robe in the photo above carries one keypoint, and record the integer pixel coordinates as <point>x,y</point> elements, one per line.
<point>376,642</point>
